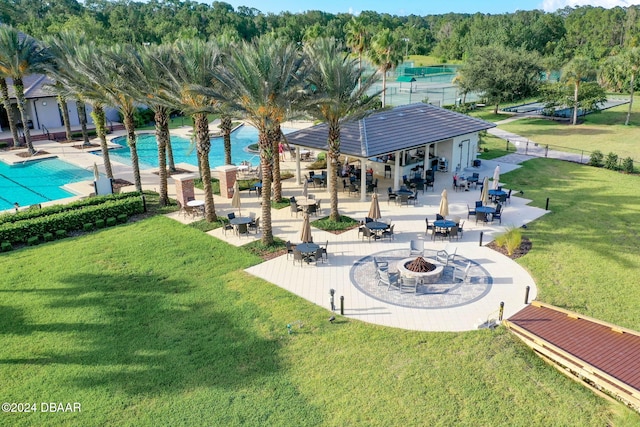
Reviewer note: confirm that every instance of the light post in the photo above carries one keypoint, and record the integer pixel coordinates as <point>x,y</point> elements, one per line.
<point>406,47</point>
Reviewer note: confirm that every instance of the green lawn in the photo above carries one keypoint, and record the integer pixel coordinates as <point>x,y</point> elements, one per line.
<point>155,323</point>
<point>604,131</point>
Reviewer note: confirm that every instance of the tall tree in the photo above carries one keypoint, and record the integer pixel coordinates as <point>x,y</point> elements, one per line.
<point>621,71</point>
<point>386,54</point>
<point>21,55</point>
<point>574,72</point>
<point>336,98</point>
<point>6,103</point>
<point>501,74</point>
<point>358,38</point>
<point>261,80</point>
<point>192,66</point>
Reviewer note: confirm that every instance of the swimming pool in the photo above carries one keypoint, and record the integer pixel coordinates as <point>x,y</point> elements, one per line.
<point>37,181</point>
<point>184,151</point>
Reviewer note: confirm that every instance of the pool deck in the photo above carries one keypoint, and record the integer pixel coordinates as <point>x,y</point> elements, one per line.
<point>509,279</point>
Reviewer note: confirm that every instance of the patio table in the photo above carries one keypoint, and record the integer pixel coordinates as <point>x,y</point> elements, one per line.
<point>307,249</point>
<point>376,227</point>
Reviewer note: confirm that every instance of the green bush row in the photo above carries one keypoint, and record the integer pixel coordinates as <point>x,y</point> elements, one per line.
<point>49,210</point>
<point>20,232</point>
<point>611,161</point>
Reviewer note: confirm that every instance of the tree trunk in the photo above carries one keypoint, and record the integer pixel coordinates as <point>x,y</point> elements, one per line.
<point>633,82</point>
<point>574,120</point>
<point>131,141</point>
<point>495,109</point>
<point>6,102</point>
<point>334,155</point>
<point>266,155</point>
<point>162,136</point>
<point>99,120</point>
<point>18,86</point>
<point>203,146</point>
<point>384,88</point>
<point>82,115</point>
<point>172,164</point>
<point>274,137</point>
<point>225,127</point>
<point>62,103</point>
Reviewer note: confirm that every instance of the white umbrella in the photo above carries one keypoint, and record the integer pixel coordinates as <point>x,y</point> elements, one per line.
<point>235,200</point>
<point>444,204</point>
<point>305,189</point>
<point>484,196</point>
<point>96,174</point>
<point>374,210</point>
<point>496,178</point>
<point>305,233</point>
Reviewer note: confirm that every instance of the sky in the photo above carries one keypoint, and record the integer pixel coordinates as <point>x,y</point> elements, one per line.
<point>420,7</point>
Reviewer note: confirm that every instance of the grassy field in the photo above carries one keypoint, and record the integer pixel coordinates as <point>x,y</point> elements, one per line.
<point>155,323</point>
<point>604,131</point>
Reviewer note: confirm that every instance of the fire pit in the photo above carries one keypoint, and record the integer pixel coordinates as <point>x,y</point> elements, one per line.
<point>425,271</point>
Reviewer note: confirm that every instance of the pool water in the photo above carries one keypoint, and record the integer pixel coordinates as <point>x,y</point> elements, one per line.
<point>38,181</point>
<point>185,152</point>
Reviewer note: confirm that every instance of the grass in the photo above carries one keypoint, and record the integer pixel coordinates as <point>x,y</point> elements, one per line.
<point>604,131</point>
<point>156,323</point>
<point>345,223</point>
<point>493,147</point>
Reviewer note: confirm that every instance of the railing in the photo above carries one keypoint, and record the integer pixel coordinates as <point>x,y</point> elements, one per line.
<point>46,131</point>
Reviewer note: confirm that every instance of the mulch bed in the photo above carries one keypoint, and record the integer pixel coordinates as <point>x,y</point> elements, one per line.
<point>524,248</point>
<point>26,154</point>
<point>119,183</point>
<point>84,146</point>
<point>178,171</point>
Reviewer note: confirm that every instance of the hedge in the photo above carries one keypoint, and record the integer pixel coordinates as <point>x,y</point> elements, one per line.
<point>19,232</point>
<point>49,210</point>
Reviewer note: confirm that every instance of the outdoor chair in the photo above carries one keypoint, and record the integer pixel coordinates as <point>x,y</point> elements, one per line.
<point>440,232</point>
<point>367,219</point>
<point>389,233</point>
<point>453,232</point>
<point>416,247</point>
<point>501,199</point>
<point>460,274</point>
<point>295,208</point>
<point>312,210</point>
<point>345,186</point>
<point>380,264</point>
<point>429,227</point>
<point>387,168</point>
<point>391,195</point>
<point>508,199</point>
<point>408,284</point>
<point>481,216</point>
<point>404,199</point>
<point>225,226</point>
<point>439,217</point>
<point>448,254</point>
<point>390,280</point>
<point>318,208</point>
<point>255,225</point>
<point>290,248</point>
<point>460,230</point>
<point>190,211</point>
<point>429,183</point>
<point>470,212</point>
<point>325,254</point>
<point>311,196</point>
<point>478,203</point>
<point>367,233</point>
<point>318,256</point>
<point>413,198</point>
<point>297,257</point>
<point>353,189</point>
<point>318,182</point>
<point>243,229</point>
<point>231,215</point>
<point>497,214</point>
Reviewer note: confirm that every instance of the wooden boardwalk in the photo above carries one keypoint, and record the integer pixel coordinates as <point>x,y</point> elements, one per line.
<point>605,355</point>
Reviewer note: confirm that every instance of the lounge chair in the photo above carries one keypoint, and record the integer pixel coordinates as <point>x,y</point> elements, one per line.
<point>416,247</point>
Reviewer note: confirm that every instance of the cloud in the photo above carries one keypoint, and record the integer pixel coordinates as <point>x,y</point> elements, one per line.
<point>553,5</point>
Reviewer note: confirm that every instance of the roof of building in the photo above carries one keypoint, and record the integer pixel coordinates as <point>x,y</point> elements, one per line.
<point>387,131</point>
<point>34,86</point>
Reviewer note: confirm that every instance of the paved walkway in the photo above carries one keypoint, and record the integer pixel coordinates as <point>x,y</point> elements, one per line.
<point>506,278</point>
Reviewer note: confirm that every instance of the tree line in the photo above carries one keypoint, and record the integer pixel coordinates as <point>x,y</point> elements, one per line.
<point>589,31</point>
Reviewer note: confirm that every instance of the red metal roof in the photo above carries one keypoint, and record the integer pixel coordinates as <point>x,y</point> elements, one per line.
<point>611,349</point>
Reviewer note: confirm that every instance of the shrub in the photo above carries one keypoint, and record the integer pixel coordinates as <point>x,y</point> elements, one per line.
<point>47,237</point>
<point>61,234</point>
<point>111,221</point>
<point>596,158</point>
<point>510,239</point>
<point>5,246</point>
<point>33,240</point>
<point>611,162</point>
<point>100,223</point>
<point>122,218</point>
<point>87,226</point>
<point>627,165</point>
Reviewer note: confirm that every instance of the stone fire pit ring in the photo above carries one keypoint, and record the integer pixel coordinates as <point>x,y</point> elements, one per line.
<point>424,278</point>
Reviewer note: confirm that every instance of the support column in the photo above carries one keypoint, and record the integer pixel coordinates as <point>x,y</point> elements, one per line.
<point>298,171</point>
<point>396,172</point>
<point>185,190</point>
<point>227,176</point>
<point>363,180</point>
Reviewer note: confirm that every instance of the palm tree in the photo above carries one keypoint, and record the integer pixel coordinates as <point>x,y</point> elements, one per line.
<point>261,80</point>
<point>357,38</point>
<point>72,55</point>
<point>622,70</point>
<point>21,55</point>
<point>192,66</point>
<point>6,102</point>
<point>335,99</point>
<point>578,69</point>
<point>385,54</point>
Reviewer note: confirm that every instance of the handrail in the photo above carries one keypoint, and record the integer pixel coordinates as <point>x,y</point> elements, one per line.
<point>45,130</point>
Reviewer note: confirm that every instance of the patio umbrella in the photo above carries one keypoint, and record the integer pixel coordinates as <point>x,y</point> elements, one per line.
<point>96,174</point>
<point>374,210</point>
<point>496,178</point>
<point>444,204</point>
<point>235,200</point>
<point>305,189</point>
<point>305,234</point>
<point>485,191</point>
